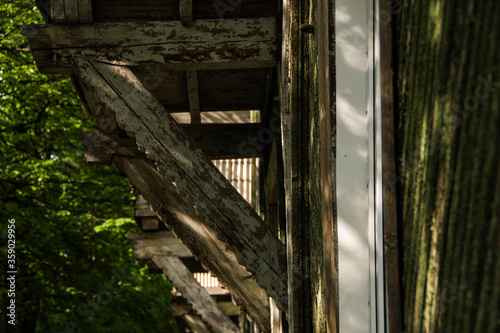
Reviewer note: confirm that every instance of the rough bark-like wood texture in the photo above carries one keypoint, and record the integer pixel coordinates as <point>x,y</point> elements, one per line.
<point>161,243</point>
<point>202,242</point>
<point>216,201</point>
<point>449,81</point>
<point>191,290</point>
<point>231,43</point>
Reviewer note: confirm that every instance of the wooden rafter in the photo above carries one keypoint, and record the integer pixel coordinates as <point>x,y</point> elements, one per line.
<point>210,198</point>
<point>164,243</point>
<point>202,302</point>
<point>186,10</point>
<point>204,44</point>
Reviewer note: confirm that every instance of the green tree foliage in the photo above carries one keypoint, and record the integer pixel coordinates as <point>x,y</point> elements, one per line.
<point>75,269</point>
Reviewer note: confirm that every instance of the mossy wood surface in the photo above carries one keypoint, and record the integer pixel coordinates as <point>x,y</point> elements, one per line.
<point>449,121</point>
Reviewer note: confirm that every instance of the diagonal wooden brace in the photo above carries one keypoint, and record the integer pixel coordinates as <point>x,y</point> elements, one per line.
<point>223,212</point>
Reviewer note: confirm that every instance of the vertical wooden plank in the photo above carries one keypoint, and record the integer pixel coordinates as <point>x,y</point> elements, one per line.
<point>193,95</point>
<point>57,11</point>
<point>71,11</point>
<point>391,255</point>
<point>292,105</point>
<point>85,11</point>
<point>186,10</point>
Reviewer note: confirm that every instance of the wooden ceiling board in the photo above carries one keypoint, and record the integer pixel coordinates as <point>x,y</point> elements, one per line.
<point>139,10</point>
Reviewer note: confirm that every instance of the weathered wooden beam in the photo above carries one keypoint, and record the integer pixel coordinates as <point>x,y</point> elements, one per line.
<point>186,10</point>
<point>204,44</point>
<point>184,219</point>
<point>195,294</point>
<point>145,217</point>
<point>216,141</point>
<point>193,96</point>
<point>218,204</point>
<point>147,245</point>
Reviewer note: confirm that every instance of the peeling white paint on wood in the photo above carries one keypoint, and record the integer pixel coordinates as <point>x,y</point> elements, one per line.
<point>196,178</point>
<point>205,44</point>
<point>202,302</point>
<point>107,34</point>
<point>203,243</point>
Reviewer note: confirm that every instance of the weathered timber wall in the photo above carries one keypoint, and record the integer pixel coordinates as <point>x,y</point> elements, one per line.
<point>449,176</point>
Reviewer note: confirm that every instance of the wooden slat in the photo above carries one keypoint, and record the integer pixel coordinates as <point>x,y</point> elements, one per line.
<point>229,308</point>
<point>71,11</point>
<point>205,44</point>
<point>147,245</point>
<point>150,224</point>
<point>186,10</point>
<point>191,290</point>
<point>184,219</point>
<point>57,11</point>
<point>193,95</point>
<point>85,11</point>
